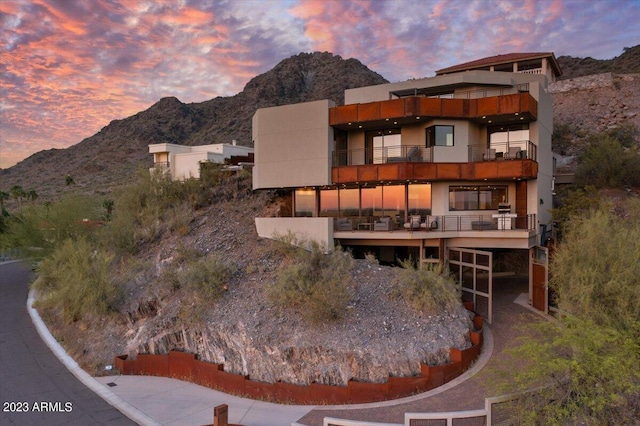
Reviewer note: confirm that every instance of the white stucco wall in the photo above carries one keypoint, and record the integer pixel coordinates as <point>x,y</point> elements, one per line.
<point>293,145</point>
<point>306,229</point>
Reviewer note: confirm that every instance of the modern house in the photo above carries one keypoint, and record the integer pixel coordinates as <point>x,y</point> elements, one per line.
<point>183,162</point>
<point>449,169</point>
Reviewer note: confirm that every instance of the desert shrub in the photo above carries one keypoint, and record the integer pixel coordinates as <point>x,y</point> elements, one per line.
<point>574,201</point>
<point>429,289</point>
<point>211,173</point>
<point>319,285</point>
<point>38,229</point>
<point>589,363</point>
<point>605,163</point>
<point>75,280</point>
<point>140,209</point>
<point>595,270</point>
<point>208,275</point>
<point>626,133</point>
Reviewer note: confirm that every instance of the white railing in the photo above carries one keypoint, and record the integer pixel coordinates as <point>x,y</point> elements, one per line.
<point>448,419</point>
<point>533,71</point>
<point>330,421</point>
<point>489,415</point>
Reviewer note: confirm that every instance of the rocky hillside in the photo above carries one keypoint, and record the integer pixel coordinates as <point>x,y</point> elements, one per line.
<point>627,63</point>
<point>594,104</point>
<point>379,335</point>
<point>111,156</point>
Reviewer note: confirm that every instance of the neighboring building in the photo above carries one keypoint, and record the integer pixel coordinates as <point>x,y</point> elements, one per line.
<point>449,168</point>
<point>183,162</point>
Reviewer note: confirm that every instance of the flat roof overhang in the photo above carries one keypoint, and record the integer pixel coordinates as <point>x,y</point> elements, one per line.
<point>504,109</point>
<point>513,239</point>
<point>517,169</point>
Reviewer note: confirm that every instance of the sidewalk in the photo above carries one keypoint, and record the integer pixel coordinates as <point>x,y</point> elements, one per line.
<point>174,402</point>
<point>157,400</point>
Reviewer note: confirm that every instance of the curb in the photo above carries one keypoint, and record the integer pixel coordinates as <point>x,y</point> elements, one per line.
<point>111,398</point>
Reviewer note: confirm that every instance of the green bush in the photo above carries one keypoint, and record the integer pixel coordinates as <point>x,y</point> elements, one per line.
<point>429,289</point>
<point>596,268</point>
<point>607,164</point>
<point>38,229</point>
<point>589,363</point>
<point>140,209</point>
<point>75,279</point>
<point>573,202</point>
<point>319,285</point>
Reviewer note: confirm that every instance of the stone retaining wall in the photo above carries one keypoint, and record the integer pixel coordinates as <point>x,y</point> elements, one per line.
<point>188,367</point>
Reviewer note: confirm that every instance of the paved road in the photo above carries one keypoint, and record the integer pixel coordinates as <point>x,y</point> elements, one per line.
<point>31,377</point>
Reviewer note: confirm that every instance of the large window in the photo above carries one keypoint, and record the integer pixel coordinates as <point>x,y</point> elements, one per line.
<point>305,202</point>
<point>349,202</point>
<point>514,136</point>
<point>439,136</point>
<point>382,144</point>
<point>478,197</point>
<point>420,199</point>
<point>393,201</point>
<point>329,203</point>
<point>371,202</point>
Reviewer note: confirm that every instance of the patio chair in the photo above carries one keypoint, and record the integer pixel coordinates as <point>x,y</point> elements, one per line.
<point>343,224</point>
<point>414,222</point>
<point>414,154</point>
<point>490,155</point>
<point>383,224</point>
<point>513,153</point>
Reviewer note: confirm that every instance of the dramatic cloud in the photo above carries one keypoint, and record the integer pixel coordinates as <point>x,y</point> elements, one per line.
<point>70,67</point>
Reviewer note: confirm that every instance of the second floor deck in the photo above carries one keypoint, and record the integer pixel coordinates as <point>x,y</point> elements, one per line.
<point>498,161</point>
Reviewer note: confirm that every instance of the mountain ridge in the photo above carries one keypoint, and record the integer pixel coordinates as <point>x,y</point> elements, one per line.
<point>112,155</point>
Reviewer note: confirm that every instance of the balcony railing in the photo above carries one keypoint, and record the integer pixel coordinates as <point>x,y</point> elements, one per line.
<point>391,154</point>
<point>442,223</point>
<point>512,150</point>
<point>161,165</point>
<point>532,71</point>
<point>483,93</point>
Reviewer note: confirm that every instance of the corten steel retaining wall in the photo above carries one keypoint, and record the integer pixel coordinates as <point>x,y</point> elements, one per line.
<point>186,366</point>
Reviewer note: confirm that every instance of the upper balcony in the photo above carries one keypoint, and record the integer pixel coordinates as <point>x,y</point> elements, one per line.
<point>506,105</point>
<point>503,160</point>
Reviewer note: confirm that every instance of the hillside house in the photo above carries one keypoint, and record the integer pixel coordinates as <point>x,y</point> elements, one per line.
<point>450,168</point>
<point>183,162</point>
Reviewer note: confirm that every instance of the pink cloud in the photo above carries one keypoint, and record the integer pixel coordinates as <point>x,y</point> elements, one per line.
<point>69,69</point>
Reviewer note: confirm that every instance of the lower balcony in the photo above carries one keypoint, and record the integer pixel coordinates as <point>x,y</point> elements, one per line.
<point>437,223</point>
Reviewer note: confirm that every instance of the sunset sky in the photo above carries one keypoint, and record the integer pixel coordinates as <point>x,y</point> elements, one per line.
<point>69,67</point>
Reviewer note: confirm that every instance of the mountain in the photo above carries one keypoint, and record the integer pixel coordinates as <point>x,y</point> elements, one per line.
<point>111,156</point>
<point>627,63</point>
